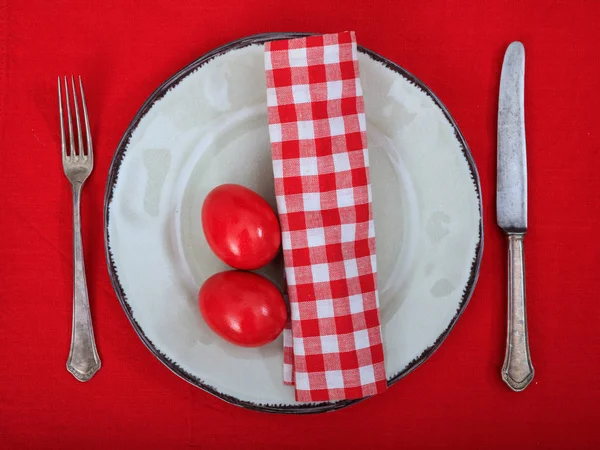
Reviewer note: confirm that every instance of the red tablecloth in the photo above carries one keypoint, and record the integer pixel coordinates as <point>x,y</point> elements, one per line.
<point>125,49</point>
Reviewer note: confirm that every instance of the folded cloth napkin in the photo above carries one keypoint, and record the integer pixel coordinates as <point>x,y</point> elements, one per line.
<point>317,128</point>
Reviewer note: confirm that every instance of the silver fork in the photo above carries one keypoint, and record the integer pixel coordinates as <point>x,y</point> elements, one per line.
<point>83,360</point>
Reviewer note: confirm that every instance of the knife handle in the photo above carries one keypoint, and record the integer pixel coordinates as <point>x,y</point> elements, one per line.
<point>517,371</point>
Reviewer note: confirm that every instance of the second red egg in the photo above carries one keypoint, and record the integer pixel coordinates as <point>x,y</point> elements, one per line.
<point>240,227</point>
<point>243,308</point>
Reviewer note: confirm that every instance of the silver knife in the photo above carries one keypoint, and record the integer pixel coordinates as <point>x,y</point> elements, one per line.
<point>511,211</point>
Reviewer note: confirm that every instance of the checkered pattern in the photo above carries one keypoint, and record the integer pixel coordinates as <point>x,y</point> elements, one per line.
<point>317,127</point>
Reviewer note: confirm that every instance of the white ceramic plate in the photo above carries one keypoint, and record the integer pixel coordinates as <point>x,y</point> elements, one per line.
<point>207,125</point>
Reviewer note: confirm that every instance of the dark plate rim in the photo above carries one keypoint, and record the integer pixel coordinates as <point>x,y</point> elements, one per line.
<point>112,178</point>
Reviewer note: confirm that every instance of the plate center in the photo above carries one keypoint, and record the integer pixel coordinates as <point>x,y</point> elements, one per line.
<point>240,153</point>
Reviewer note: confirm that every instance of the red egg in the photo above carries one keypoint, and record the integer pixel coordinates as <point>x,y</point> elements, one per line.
<point>240,227</point>
<point>243,308</point>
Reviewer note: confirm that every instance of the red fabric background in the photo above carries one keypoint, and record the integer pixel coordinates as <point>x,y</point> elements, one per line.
<point>125,49</point>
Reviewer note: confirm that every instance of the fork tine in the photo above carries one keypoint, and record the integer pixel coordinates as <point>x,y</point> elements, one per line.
<point>77,122</point>
<point>62,124</point>
<point>88,133</point>
<point>70,123</point>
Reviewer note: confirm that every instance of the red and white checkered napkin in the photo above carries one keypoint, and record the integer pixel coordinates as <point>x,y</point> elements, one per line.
<point>320,163</point>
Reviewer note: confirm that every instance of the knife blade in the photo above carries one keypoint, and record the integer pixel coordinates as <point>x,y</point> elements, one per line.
<point>511,190</point>
<point>511,211</point>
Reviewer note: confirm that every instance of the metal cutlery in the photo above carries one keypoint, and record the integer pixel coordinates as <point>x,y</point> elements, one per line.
<point>78,162</point>
<point>511,211</point>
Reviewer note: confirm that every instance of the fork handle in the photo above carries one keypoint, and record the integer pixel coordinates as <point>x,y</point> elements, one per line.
<point>83,360</point>
<point>517,371</point>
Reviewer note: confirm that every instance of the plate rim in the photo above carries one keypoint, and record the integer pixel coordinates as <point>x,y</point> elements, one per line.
<point>160,92</point>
